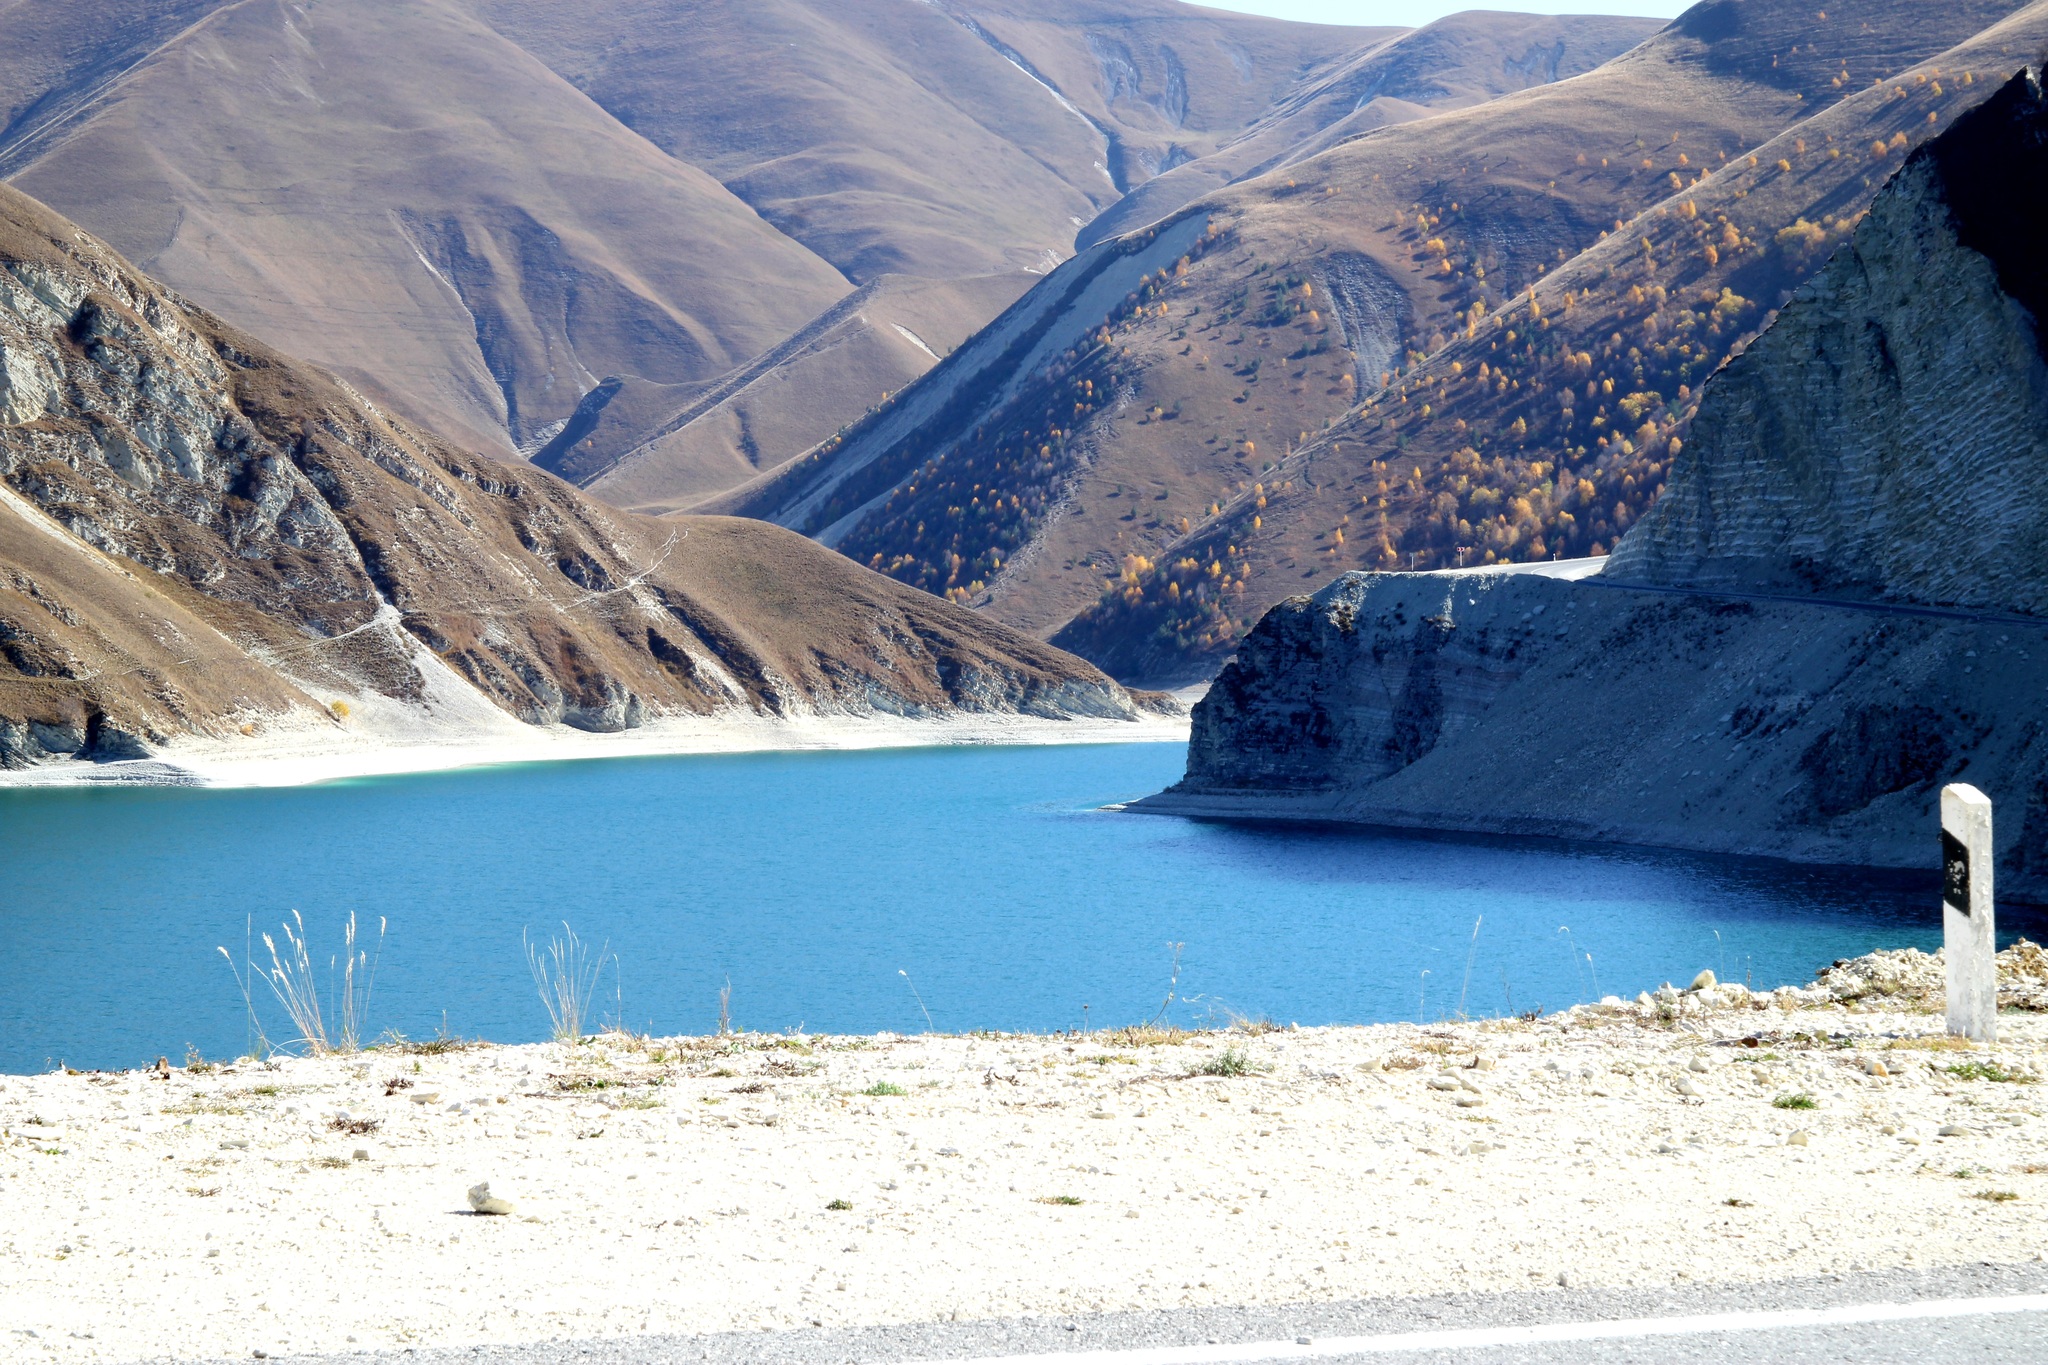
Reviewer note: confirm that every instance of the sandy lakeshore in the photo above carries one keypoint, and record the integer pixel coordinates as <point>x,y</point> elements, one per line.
<point>387,740</point>
<point>703,1184</point>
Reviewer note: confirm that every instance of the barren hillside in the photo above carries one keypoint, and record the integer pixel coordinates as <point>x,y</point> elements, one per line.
<point>199,535</point>
<point>399,193</point>
<point>507,218</point>
<point>1136,463</point>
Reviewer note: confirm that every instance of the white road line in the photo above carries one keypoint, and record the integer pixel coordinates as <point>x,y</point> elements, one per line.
<point>1475,1337</point>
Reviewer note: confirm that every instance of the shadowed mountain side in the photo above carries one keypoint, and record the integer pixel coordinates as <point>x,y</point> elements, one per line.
<point>1836,606</point>
<point>1458,61</point>
<point>400,193</point>
<point>279,539</point>
<point>643,451</point>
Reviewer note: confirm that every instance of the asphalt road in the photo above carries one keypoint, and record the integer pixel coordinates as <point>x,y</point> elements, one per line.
<point>1984,1314</point>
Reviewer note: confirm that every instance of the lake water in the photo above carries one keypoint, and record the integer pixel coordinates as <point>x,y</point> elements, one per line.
<point>812,882</point>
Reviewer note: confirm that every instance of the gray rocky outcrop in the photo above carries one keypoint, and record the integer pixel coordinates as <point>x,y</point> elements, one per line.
<point>1839,603</point>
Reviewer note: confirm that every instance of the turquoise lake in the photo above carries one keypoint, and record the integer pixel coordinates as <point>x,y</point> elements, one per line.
<point>813,881</point>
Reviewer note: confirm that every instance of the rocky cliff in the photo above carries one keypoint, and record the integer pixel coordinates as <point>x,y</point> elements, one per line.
<point>1840,603</point>
<point>201,536</point>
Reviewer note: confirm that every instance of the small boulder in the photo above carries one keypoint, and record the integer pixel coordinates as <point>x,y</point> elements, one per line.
<point>1873,1067</point>
<point>1953,1130</point>
<point>481,1200</point>
<point>1697,1064</point>
<point>1705,981</point>
<point>1443,1083</point>
<point>1798,1139</point>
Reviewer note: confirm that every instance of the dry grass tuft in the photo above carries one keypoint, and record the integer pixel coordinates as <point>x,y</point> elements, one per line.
<point>1932,1043</point>
<point>565,973</point>
<point>1146,1035</point>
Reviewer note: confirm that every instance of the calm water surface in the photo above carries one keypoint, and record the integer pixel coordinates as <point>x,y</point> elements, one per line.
<point>811,882</point>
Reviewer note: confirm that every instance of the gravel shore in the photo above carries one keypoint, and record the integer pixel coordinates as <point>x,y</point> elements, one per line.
<point>705,1184</point>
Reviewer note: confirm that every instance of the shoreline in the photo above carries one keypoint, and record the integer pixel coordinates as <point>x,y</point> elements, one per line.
<point>761,1182</point>
<point>302,752</point>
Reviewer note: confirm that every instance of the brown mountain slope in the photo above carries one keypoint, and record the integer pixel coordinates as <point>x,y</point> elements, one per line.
<point>1459,61</point>
<point>950,139</point>
<point>1140,86</point>
<point>419,197</point>
<point>399,193</point>
<point>1029,479</point>
<point>199,534</point>
<point>783,402</point>
<point>1545,427</point>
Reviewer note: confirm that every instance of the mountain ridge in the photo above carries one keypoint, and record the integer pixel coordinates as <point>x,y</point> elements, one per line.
<point>282,541</point>
<point>1777,667</point>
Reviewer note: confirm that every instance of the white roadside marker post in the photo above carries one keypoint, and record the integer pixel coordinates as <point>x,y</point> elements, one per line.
<point>1969,935</point>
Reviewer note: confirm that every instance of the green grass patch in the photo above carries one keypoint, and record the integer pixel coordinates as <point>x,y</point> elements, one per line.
<point>1800,1101</point>
<point>1232,1061</point>
<point>884,1088</point>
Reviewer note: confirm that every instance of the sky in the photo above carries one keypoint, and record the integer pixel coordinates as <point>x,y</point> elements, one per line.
<point>1418,12</point>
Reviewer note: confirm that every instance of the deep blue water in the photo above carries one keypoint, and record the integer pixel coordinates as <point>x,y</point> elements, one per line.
<point>812,881</point>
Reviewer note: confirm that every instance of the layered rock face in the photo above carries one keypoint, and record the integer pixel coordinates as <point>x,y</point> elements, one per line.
<point>199,534</point>
<point>1840,603</point>
<point>1887,437</point>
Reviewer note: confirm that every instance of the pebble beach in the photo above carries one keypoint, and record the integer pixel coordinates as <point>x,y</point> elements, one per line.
<point>638,1185</point>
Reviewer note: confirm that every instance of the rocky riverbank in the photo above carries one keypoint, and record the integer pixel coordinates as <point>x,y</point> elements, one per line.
<point>700,1184</point>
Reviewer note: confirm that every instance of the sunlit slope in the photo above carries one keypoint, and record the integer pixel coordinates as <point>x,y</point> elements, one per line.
<point>1031,491</point>
<point>199,533</point>
<point>399,193</point>
<point>1544,424</point>
<point>1459,61</point>
<point>870,343</point>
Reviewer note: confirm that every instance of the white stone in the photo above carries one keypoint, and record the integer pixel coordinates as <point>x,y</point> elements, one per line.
<point>483,1201</point>
<point>1698,1064</point>
<point>1798,1139</point>
<point>1705,981</point>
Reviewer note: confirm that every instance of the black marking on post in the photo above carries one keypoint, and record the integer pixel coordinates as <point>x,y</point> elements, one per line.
<point>1955,873</point>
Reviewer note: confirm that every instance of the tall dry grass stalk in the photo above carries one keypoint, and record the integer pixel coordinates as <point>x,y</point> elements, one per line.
<point>565,973</point>
<point>293,979</point>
